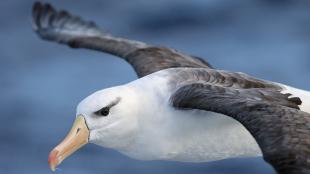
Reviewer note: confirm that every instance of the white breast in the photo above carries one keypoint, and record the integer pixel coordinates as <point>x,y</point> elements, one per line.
<point>185,135</point>
<point>200,136</point>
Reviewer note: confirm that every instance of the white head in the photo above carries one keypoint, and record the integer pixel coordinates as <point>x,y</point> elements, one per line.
<point>107,117</point>
<point>111,116</point>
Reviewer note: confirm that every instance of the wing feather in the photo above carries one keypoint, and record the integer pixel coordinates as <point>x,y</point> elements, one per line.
<point>63,27</point>
<point>280,129</point>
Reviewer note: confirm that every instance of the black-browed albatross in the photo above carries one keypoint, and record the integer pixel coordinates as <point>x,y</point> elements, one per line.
<point>180,108</point>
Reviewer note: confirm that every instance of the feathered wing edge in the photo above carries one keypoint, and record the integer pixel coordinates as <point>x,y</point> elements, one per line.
<point>63,27</point>
<point>280,129</point>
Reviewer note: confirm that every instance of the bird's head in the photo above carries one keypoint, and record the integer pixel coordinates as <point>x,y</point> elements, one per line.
<point>107,118</point>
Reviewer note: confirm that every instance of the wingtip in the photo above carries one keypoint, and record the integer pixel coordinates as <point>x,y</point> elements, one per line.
<point>39,12</point>
<point>54,24</point>
<point>36,4</point>
<point>36,10</point>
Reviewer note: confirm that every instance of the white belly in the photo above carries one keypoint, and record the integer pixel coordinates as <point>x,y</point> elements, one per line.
<point>194,136</point>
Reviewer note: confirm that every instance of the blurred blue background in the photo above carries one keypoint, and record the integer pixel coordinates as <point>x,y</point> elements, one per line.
<point>41,83</point>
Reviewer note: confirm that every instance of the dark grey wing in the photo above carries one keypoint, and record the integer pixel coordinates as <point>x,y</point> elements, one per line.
<point>237,80</point>
<point>281,130</point>
<point>63,27</point>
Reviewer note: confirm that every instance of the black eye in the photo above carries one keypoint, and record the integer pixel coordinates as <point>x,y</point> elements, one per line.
<point>103,112</point>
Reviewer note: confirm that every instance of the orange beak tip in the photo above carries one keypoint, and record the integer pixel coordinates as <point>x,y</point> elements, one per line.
<point>52,159</point>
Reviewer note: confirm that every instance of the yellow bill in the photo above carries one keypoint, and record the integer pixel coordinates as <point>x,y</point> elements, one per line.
<point>76,138</point>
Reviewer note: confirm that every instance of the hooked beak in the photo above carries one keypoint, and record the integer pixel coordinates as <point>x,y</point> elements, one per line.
<point>76,138</point>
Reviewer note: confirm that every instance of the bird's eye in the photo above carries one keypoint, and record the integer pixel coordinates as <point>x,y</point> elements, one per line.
<point>103,112</point>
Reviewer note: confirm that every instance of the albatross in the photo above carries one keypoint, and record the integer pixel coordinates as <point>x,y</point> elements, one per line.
<point>180,108</point>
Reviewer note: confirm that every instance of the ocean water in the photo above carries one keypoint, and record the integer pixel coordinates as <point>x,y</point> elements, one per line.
<point>41,83</point>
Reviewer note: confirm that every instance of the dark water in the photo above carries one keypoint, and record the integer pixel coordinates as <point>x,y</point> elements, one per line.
<point>41,83</point>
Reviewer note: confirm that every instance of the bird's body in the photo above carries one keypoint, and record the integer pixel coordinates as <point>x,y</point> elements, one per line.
<point>166,133</point>
<point>180,108</point>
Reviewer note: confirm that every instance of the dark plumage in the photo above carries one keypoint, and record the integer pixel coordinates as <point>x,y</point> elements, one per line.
<point>62,27</point>
<point>181,76</point>
<point>281,130</point>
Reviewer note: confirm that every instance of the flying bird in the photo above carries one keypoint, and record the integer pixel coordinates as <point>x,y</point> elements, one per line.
<point>180,108</point>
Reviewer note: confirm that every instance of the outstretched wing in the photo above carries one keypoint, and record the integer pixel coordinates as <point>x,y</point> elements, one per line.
<point>280,129</point>
<point>62,27</point>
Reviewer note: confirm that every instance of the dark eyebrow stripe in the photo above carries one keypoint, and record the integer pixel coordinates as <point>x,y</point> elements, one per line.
<point>115,102</point>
